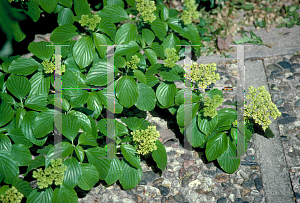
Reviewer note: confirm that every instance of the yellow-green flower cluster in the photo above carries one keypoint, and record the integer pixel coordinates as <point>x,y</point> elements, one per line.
<point>172,57</point>
<point>90,22</point>
<point>146,7</point>
<point>211,105</point>
<point>203,74</point>
<point>14,0</point>
<point>146,139</point>
<point>55,173</point>
<point>49,66</point>
<point>135,60</point>
<point>190,12</point>
<point>262,103</point>
<point>12,195</point>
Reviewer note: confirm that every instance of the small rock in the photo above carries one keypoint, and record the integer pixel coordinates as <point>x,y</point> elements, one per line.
<point>274,67</point>
<point>238,200</point>
<point>222,200</point>
<point>181,172</point>
<point>194,184</point>
<point>285,65</point>
<point>287,120</point>
<point>258,184</point>
<point>250,152</point>
<point>253,176</point>
<point>139,189</point>
<point>297,195</point>
<point>297,103</point>
<point>245,191</point>
<point>294,58</point>
<point>221,178</point>
<point>137,198</point>
<point>142,182</point>
<point>179,198</point>
<point>231,197</point>
<point>279,102</point>
<point>208,173</point>
<point>258,199</point>
<point>185,181</point>
<point>186,156</point>
<point>248,163</point>
<point>158,181</point>
<point>187,164</point>
<point>248,183</point>
<point>149,176</point>
<point>163,190</point>
<point>200,191</point>
<point>249,158</point>
<point>129,192</point>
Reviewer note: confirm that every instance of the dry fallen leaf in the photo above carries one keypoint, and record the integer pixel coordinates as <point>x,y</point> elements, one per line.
<point>223,44</point>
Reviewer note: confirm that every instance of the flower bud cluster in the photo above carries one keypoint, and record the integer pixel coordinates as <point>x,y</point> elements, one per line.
<point>55,173</point>
<point>132,64</point>
<point>211,105</point>
<point>90,22</point>
<point>49,66</point>
<point>262,103</point>
<point>146,139</point>
<point>172,57</point>
<point>12,195</point>
<point>204,74</point>
<point>190,12</point>
<point>146,7</point>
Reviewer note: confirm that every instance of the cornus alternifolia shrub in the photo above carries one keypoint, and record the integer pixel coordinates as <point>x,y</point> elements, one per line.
<point>27,97</point>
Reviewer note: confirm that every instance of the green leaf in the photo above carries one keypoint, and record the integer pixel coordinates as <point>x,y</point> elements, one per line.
<point>44,196</point>
<point>207,125</point>
<point>216,146</point>
<point>120,129</point>
<point>164,12</point>
<point>126,33</point>
<point>37,102</point>
<point>65,194</point>
<point>169,76</point>
<point>70,80</point>
<point>81,7</point>
<point>19,86</point>
<point>131,155</point>
<point>151,56</point>
<point>127,48</point>
<point>176,25</point>
<point>39,84</point>
<point>94,103</point>
<point>160,155</point>
<point>180,116</point>
<point>5,143</point>
<point>27,127</point>
<point>157,48</point>
<point>89,176</point>
<point>160,29</point>
<point>66,3</point>
<point>140,76</point>
<point>63,33</point>
<point>132,123</point>
<point>23,187</point>
<point>195,137</point>
<point>87,139</point>
<point>227,164</point>
<point>110,97</point>
<point>65,16</point>
<point>70,126</point>
<point>84,51</point>
<point>130,176</point>
<point>84,121</point>
<point>114,171</point>
<point>107,27</point>
<point>99,39</point>
<point>151,80</point>
<point>165,93</point>
<point>21,154</point>
<point>126,91</point>
<point>269,133</point>
<point>48,5</point>
<point>152,70</point>
<point>43,123</point>
<point>33,10</point>
<point>7,113</point>
<point>18,137</point>
<point>80,154</point>
<point>225,117</point>
<point>97,75</point>
<point>64,103</point>
<point>113,13</point>
<point>40,50</point>
<point>35,163</point>
<point>179,98</point>
<point>148,36</point>
<point>97,157</point>
<point>23,66</point>
<point>170,42</point>
<point>8,167</point>
<point>73,173</point>
<point>146,98</point>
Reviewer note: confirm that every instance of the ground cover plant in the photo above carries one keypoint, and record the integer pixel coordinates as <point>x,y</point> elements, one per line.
<point>148,31</point>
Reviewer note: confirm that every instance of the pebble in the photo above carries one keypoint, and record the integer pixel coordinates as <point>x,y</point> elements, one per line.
<point>189,179</point>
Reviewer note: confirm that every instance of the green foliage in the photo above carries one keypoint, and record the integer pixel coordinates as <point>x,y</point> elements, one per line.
<point>211,105</point>
<point>171,57</point>
<point>91,23</point>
